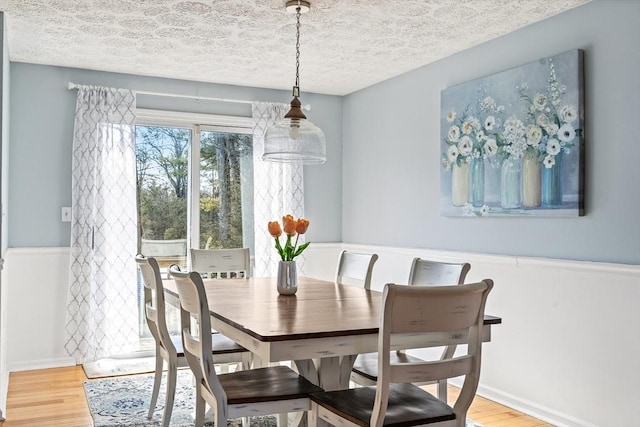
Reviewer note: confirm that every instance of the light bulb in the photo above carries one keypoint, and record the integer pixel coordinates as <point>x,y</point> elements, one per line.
<point>294,132</point>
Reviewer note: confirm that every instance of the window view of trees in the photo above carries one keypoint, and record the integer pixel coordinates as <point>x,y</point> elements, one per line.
<point>222,174</point>
<point>162,155</point>
<point>162,158</point>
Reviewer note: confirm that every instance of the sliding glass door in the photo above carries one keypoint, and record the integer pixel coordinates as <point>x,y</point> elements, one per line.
<point>195,190</point>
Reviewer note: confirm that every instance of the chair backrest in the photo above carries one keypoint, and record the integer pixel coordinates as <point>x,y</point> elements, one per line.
<point>195,324</point>
<point>426,272</point>
<point>451,315</point>
<point>355,269</point>
<point>216,263</point>
<point>154,302</point>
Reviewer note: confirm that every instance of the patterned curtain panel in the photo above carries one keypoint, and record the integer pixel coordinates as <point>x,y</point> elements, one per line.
<point>102,310</point>
<point>278,190</point>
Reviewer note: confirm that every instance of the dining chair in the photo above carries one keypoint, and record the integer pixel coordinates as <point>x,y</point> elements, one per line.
<point>169,347</point>
<point>216,263</point>
<point>261,391</point>
<point>448,315</point>
<point>423,272</point>
<point>427,272</point>
<point>355,268</point>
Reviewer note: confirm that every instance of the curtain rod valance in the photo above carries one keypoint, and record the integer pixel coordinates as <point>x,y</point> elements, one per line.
<point>176,95</point>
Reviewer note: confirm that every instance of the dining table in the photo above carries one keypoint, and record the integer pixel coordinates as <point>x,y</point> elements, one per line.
<point>321,329</point>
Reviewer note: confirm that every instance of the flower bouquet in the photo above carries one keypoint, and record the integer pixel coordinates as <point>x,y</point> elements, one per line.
<point>292,227</point>
<point>287,280</point>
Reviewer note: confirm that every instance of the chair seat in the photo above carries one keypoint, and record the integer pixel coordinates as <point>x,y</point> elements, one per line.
<point>265,385</point>
<point>409,405</point>
<point>366,365</point>
<point>219,342</point>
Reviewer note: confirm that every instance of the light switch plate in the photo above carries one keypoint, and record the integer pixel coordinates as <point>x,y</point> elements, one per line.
<point>66,214</point>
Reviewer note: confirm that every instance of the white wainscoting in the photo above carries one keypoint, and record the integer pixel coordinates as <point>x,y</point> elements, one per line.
<point>37,280</point>
<point>568,350</point>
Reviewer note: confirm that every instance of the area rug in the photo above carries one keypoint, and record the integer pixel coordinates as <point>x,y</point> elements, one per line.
<point>124,402</point>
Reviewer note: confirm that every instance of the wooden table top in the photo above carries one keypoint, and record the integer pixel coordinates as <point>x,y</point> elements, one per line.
<point>319,308</point>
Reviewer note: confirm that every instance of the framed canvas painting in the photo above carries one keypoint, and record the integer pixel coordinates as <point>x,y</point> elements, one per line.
<point>512,144</point>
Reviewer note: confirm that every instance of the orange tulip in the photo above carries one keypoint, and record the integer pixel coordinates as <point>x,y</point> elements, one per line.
<point>302,226</point>
<point>287,218</point>
<point>289,224</point>
<point>274,229</point>
<point>291,227</point>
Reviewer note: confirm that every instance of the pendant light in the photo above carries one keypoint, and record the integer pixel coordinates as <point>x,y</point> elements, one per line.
<point>294,138</point>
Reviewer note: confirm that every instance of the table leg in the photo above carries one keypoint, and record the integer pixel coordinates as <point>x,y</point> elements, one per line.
<point>330,373</point>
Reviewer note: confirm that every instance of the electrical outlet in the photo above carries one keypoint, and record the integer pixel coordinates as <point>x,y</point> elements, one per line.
<point>66,214</point>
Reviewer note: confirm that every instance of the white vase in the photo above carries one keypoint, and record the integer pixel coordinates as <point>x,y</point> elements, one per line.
<point>287,279</point>
<point>531,181</point>
<point>460,184</point>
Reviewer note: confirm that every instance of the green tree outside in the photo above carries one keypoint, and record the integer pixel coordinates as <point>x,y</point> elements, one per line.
<point>162,155</point>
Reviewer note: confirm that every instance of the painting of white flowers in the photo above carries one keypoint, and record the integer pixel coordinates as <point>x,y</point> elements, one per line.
<point>512,143</point>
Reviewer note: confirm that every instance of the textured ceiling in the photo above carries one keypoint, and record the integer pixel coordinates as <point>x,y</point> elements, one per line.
<point>346,45</point>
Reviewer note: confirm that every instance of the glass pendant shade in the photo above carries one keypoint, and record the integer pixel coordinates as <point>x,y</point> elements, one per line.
<point>295,139</point>
<point>292,140</point>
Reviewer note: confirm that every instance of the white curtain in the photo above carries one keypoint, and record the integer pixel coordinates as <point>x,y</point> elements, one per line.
<point>278,190</point>
<point>102,309</point>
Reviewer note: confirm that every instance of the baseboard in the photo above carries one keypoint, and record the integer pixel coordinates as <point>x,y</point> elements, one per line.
<point>551,416</point>
<point>41,364</point>
<point>4,390</point>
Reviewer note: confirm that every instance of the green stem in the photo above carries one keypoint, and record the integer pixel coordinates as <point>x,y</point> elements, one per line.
<point>279,248</point>
<point>287,249</point>
<point>293,251</point>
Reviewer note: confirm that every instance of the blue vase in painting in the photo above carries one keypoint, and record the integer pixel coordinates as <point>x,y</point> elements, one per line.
<point>552,183</point>
<point>477,182</point>
<point>511,184</point>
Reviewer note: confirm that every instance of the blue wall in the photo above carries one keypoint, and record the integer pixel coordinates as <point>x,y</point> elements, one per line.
<point>41,133</point>
<point>381,181</point>
<point>391,192</point>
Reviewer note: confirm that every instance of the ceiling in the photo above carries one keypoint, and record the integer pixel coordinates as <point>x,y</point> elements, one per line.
<point>346,45</point>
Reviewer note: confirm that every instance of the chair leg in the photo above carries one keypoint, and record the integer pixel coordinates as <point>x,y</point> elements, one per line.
<point>283,420</point>
<point>312,415</point>
<point>442,390</point>
<point>157,378</point>
<point>200,408</point>
<point>172,376</point>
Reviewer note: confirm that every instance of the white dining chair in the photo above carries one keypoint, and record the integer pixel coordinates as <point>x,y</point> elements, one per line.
<point>169,348</point>
<point>428,272</point>
<point>253,392</point>
<point>423,273</point>
<point>450,315</point>
<point>355,269</point>
<point>221,263</point>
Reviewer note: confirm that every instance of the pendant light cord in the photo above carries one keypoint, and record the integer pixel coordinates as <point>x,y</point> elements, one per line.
<point>297,86</point>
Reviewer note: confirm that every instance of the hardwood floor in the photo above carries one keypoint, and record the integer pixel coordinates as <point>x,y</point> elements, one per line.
<point>47,397</point>
<point>55,398</point>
